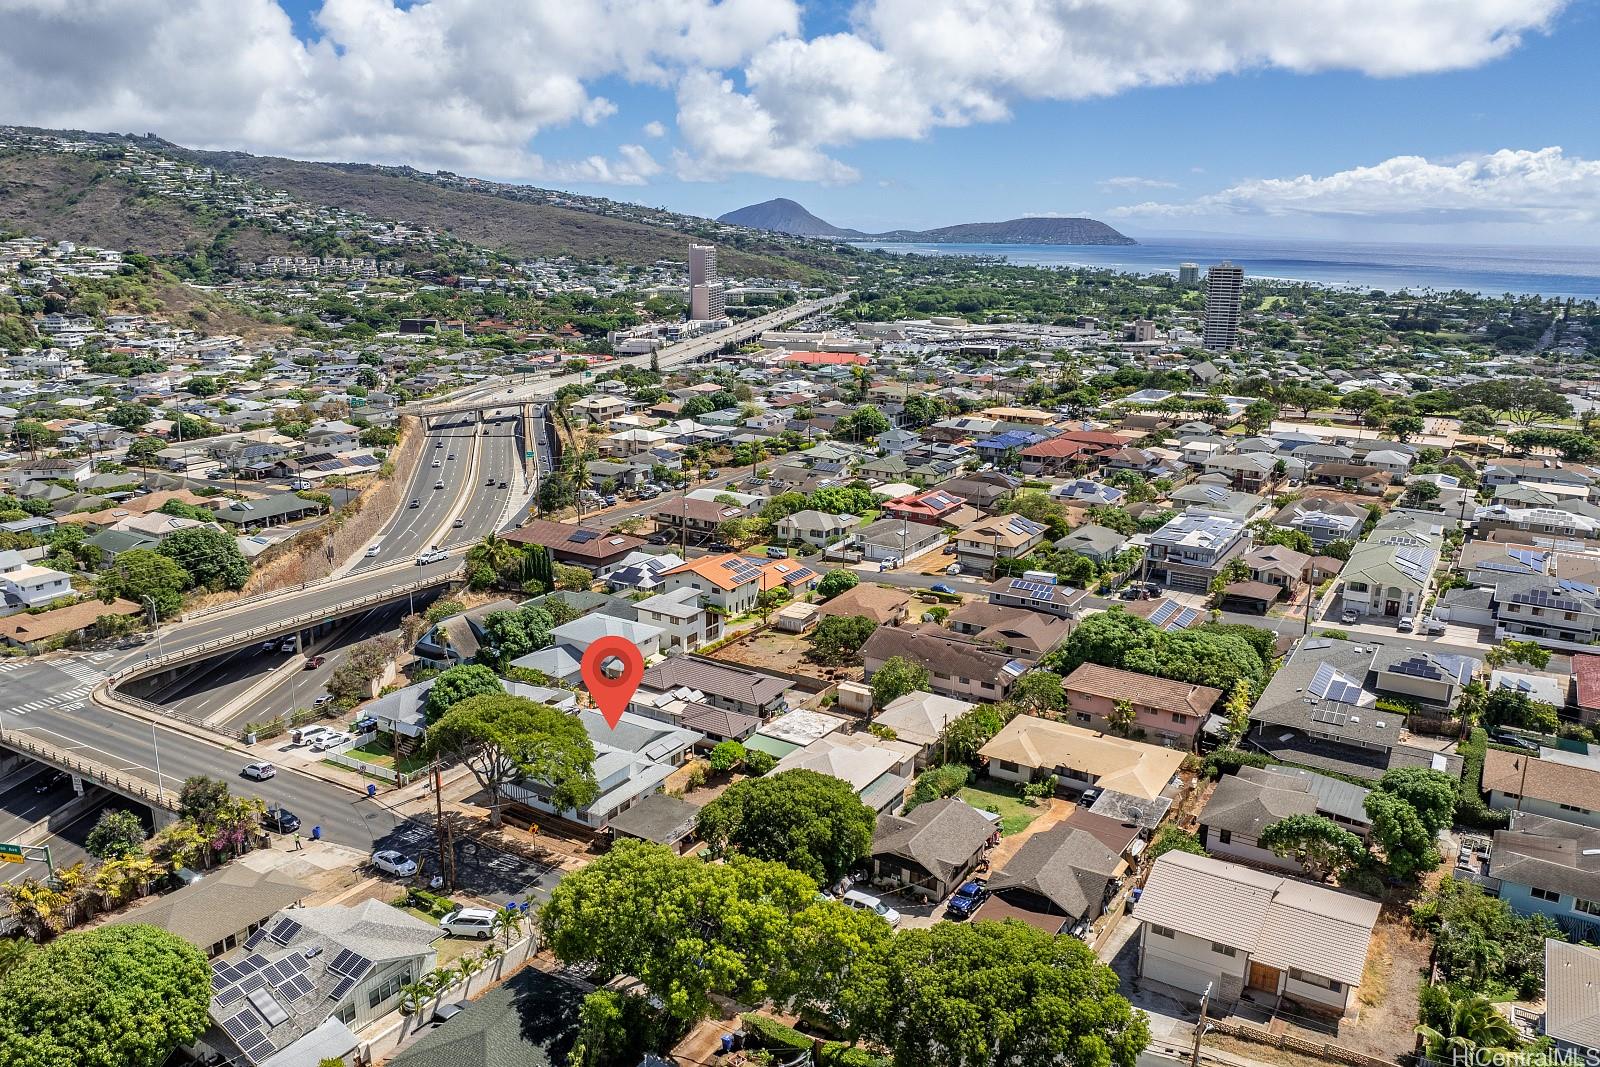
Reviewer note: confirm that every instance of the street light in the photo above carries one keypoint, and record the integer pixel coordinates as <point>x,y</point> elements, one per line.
<point>155,623</point>
<point>156,747</point>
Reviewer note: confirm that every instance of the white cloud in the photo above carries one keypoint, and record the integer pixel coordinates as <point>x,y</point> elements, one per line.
<point>1133,182</point>
<point>464,84</point>
<point>908,67</point>
<point>470,84</point>
<point>1543,187</point>
<point>633,166</point>
<point>654,129</point>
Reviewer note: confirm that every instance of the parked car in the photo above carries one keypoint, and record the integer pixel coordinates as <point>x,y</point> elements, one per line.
<point>313,662</point>
<point>611,500</point>
<point>968,899</point>
<point>1516,741</point>
<point>1431,625</point>
<point>50,780</point>
<point>280,820</point>
<point>855,898</point>
<point>949,548</point>
<point>1407,624</point>
<point>259,772</point>
<point>774,552</point>
<point>1088,797</point>
<point>469,922</point>
<point>331,739</point>
<point>942,587</point>
<point>660,537</point>
<point>1349,616</point>
<point>954,568</point>
<point>648,492</point>
<point>304,735</point>
<point>391,862</point>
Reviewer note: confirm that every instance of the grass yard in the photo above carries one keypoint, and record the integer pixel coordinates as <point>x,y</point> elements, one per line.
<point>1014,814</point>
<point>376,752</point>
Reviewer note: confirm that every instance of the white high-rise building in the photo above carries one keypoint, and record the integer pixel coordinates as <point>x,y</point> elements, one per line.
<point>1224,293</point>
<point>1188,273</point>
<point>706,299</point>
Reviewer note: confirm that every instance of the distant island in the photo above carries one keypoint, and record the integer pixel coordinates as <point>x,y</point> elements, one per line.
<point>785,216</point>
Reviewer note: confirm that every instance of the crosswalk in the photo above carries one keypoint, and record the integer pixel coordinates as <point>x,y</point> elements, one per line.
<point>67,700</point>
<point>83,672</point>
<point>83,676</point>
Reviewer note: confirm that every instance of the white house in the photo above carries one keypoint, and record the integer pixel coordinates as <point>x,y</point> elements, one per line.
<point>684,624</point>
<point>29,586</point>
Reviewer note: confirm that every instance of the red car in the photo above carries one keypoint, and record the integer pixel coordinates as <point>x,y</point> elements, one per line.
<point>313,662</point>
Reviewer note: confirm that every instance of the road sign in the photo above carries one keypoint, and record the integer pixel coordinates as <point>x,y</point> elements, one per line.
<point>528,454</point>
<point>11,854</point>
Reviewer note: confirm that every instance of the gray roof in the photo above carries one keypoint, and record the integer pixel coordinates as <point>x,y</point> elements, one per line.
<point>529,1021</point>
<point>1065,865</point>
<point>715,679</point>
<point>659,818</point>
<point>1548,854</point>
<point>1572,993</point>
<point>1334,796</point>
<point>1245,806</point>
<point>942,837</point>
<point>218,905</point>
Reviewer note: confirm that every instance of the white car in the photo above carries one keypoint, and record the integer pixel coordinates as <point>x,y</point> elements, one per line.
<point>259,771</point>
<point>954,568</point>
<point>855,898</point>
<point>396,863</point>
<point>432,555</point>
<point>469,922</point>
<point>331,739</point>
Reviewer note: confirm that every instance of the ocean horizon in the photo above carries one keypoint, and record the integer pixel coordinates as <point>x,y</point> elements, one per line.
<point>1490,270</point>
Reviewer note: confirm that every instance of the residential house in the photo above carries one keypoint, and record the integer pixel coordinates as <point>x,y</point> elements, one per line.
<point>1191,550</point>
<point>1016,631</point>
<point>1045,597</point>
<point>815,528</point>
<point>29,586</point>
<point>30,630</point>
<point>562,659</point>
<point>1166,711</point>
<point>982,490</point>
<point>956,668</point>
<point>878,771</point>
<point>693,519</point>
<point>886,607</point>
<point>1521,523</point>
<point>531,1020</point>
<point>1203,498</point>
<point>1552,611</point>
<point>731,583</point>
<point>1544,866</point>
<point>932,849</point>
<point>683,623</point>
<point>1552,782</point>
<point>1323,519</point>
<point>1248,472</point>
<point>1355,477</point>
<point>919,718</point>
<point>1060,455</point>
<point>933,508</point>
<point>720,685</point>
<point>1277,565</point>
<point>577,546</point>
<point>1570,1021</point>
<point>221,911</point>
<point>1586,687</point>
<point>981,546</point>
<point>1247,802</point>
<point>897,540</point>
<point>1087,493</point>
<point>641,572</point>
<point>1391,572</point>
<point>455,640</point>
<point>1095,542</point>
<point>1030,747</point>
<point>1205,924</point>
<point>1059,881</point>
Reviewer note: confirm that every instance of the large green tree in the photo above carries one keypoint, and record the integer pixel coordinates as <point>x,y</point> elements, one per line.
<point>838,638</point>
<point>1431,794</point>
<point>996,994</point>
<point>116,835</point>
<point>813,822</point>
<point>1408,846</point>
<point>1320,845</point>
<point>897,677</point>
<point>503,739</point>
<point>510,634</point>
<point>140,573</point>
<point>117,996</point>
<point>458,683</point>
<point>210,557</point>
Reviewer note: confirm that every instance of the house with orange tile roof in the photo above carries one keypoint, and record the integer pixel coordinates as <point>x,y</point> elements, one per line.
<point>731,582</point>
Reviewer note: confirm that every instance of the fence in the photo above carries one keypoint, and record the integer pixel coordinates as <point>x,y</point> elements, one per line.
<point>90,769</point>
<point>1318,1049</point>
<point>373,770</point>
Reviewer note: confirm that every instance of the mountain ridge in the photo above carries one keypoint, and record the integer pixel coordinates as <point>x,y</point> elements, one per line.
<point>782,215</point>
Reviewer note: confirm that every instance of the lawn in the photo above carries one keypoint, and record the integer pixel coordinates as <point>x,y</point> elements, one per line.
<point>1014,814</point>
<point>377,753</point>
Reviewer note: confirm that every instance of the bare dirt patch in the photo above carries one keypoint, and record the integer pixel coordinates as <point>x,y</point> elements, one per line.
<point>772,650</point>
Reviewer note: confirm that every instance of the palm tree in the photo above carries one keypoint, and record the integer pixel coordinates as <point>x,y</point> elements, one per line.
<point>507,922</point>
<point>36,905</point>
<point>1472,1024</point>
<point>182,843</point>
<point>414,995</point>
<point>112,882</point>
<point>13,950</point>
<point>143,870</point>
<point>71,883</point>
<point>442,978</point>
<point>500,555</point>
<point>468,966</point>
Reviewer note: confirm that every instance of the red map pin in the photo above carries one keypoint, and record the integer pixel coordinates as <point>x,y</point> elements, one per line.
<point>612,694</point>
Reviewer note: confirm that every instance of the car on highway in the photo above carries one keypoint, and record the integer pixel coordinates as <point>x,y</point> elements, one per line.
<point>289,645</point>
<point>502,485</point>
<point>50,780</point>
<point>436,464</point>
<point>968,899</point>
<point>1349,616</point>
<point>280,820</point>
<point>490,480</point>
<point>391,862</point>
<point>331,739</point>
<point>268,646</point>
<point>313,662</point>
<point>942,587</point>
<point>415,503</point>
<point>438,444</point>
<point>469,922</point>
<point>373,549</point>
<point>259,772</point>
<point>431,555</point>
<point>438,485</point>
<point>452,455</point>
<point>458,524</point>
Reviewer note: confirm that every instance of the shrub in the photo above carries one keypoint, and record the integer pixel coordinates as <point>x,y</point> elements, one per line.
<point>1229,760</point>
<point>758,762</point>
<point>936,782</point>
<point>770,1033</point>
<point>726,755</point>
<point>1471,811</point>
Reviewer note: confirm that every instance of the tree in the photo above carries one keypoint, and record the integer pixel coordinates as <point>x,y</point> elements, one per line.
<point>1041,509</point>
<point>1038,691</point>
<point>511,634</point>
<point>200,798</point>
<point>1430,793</point>
<point>726,755</point>
<point>770,600</point>
<point>365,663</point>
<point>141,573</point>
<point>988,994</point>
<point>1420,493</point>
<point>576,579</point>
<point>458,683</point>
<point>897,677</point>
<point>1405,427</point>
<point>835,582</point>
<point>811,822</point>
<point>1320,845</point>
<point>961,739</point>
<point>1397,829</point>
<point>1513,651</point>
<point>502,739</point>
<point>1121,717</point>
<point>1471,1024</point>
<point>721,929</point>
<point>1258,415</point>
<point>118,996</point>
<point>117,833</point>
<point>836,639</point>
<point>130,417</point>
<point>210,557</point>
<point>1173,838</point>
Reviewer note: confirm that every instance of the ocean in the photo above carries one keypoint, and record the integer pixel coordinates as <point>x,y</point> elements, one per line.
<point>1487,269</point>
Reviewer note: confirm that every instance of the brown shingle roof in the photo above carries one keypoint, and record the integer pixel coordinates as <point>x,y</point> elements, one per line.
<point>1539,779</point>
<point>1163,694</point>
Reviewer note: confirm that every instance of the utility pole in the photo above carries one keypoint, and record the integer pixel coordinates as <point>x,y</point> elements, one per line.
<point>1200,1027</point>
<point>447,854</point>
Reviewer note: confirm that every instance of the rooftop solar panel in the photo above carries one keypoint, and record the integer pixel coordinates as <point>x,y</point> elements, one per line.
<point>338,991</point>
<point>242,1023</point>
<point>256,938</point>
<point>285,930</point>
<point>583,536</point>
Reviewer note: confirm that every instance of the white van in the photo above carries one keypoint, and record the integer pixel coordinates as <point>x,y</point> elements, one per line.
<point>860,901</point>
<point>304,735</point>
<point>469,922</point>
<point>374,548</point>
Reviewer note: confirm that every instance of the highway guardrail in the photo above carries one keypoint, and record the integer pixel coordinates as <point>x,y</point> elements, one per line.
<point>99,772</point>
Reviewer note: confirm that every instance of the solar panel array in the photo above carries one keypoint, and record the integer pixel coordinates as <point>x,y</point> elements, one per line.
<point>583,536</point>
<point>1036,590</point>
<point>741,569</point>
<point>1567,585</point>
<point>1025,527</point>
<point>338,991</point>
<point>285,930</point>
<point>256,938</point>
<point>1329,684</point>
<point>350,963</point>
<point>1417,666</point>
<point>1415,563</point>
<point>1546,598</point>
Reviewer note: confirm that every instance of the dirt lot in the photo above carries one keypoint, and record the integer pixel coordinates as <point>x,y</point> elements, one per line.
<point>773,650</point>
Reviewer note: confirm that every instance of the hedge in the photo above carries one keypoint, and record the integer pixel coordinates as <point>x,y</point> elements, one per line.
<point>769,1033</point>
<point>1471,811</point>
<point>1229,760</point>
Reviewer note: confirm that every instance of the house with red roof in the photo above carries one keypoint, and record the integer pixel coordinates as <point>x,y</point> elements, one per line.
<point>933,508</point>
<point>825,359</point>
<point>1586,671</point>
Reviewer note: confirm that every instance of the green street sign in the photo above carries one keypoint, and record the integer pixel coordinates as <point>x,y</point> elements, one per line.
<point>11,854</point>
<point>528,454</point>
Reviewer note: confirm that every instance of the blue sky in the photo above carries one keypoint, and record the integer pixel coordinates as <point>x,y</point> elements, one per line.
<point>1445,120</point>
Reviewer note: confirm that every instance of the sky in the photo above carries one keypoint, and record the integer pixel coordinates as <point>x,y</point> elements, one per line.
<point>1467,121</point>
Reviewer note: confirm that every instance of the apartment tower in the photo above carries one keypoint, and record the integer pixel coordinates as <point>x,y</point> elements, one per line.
<point>1224,292</point>
<point>706,300</point>
<point>1188,273</point>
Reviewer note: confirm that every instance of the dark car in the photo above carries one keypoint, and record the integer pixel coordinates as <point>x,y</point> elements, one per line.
<point>659,538</point>
<point>1516,741</point>
<point>1089,796</point>
<point>53,780</point>
<point>942,587</point>
<point>313,662</point>
<point>968,899</point>
<point>280,820</point>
